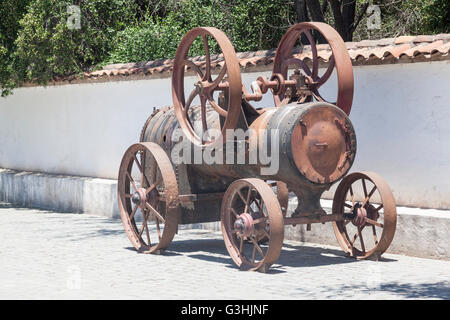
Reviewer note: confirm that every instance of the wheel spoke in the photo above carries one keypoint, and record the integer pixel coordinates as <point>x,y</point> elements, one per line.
<point>294,61</point>
<point>234,212</point>
<point>203,114</point>
<point>216,107</point>
<point>315,68</point>
<point>375,235</point>
<point>259,220</point>
<point>132,182</point>
<point>347,205</point>
<point>133,212</point>
<point>317,95</point>
<point>355,236</point>
<point>241,196</point>
<point>241,244</point>
<point>328,73</point>
<point>363,181</point>
<point>361,239</point>
<point>369,195</point>
<point>352,196</point>
<point>374,223</point>
<point>195,67</point>
<point>191,97</point>
<point>258,205</point>
<point>207,76</point>
<point>144,223</point>
<point>218,79</point>
<point>255,243</point>
<point>137,163</point>
<point>149,189</point>
<point>156,213</point>
<point>247,201</point>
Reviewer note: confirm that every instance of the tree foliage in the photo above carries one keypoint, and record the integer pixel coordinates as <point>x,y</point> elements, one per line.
<point>48,47</point>
<point>10,12</point>
<point>250,24</point>
<point>36,43</point>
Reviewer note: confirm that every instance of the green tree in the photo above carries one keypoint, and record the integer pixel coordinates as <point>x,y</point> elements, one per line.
<point>250,24</point>
<point>47,46</point>
<point>10,12</point>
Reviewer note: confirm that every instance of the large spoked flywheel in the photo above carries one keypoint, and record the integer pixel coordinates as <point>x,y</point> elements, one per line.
<point>228,81</point>
<point>339,60</point>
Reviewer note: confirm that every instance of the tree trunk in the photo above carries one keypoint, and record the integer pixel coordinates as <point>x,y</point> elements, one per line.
<point>302,16</point>
<point>338,18</point>
<point>348,15</point>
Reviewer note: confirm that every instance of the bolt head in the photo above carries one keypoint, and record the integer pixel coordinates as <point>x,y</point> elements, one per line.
<point>239,225</point>
<point>135,198</point>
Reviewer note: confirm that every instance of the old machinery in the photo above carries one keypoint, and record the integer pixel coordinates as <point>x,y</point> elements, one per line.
<point>213,156</point>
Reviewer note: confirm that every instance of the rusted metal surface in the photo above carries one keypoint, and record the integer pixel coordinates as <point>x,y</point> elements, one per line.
<point>250,211</point>
<point>156,175</point>
<point>366,202</point>
<point>314,144</point>
<point>205,86</point>
<point>340,60</point>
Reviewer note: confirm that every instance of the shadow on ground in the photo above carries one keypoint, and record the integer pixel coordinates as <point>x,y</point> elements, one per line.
<point>300,256</point>
<point>435,290</point>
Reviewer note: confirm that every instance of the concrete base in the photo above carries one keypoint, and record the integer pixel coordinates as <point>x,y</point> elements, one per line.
<point>420,232</point>
<point>59,193</point>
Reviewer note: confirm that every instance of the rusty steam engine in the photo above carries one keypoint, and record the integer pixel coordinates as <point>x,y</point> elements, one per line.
<point>163,183</point>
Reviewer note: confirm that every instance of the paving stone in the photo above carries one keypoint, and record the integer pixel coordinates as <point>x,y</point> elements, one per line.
<point>48,255</point>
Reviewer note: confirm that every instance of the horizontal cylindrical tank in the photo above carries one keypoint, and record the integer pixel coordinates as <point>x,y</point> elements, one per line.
<point>310,144</point>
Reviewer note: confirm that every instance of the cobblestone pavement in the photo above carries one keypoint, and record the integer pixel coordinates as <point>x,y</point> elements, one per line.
<point>47,255</point>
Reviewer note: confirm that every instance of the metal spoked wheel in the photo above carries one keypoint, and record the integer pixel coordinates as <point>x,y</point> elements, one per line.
<point>368,206</point>
<point>250,212</point>
<point>339,59</point>
<point>228,81</point>
<point>148,197</point>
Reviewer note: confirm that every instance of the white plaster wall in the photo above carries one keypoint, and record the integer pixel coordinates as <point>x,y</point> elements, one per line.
<point>401,114</point>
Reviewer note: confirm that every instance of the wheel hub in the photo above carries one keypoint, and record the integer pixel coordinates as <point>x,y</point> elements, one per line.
<point>360,217</point>
<point>135,198</point>
<point>244,224</point>
<point>139,197</point>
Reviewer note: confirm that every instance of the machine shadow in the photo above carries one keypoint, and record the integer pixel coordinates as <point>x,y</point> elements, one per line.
<point>297,256</point>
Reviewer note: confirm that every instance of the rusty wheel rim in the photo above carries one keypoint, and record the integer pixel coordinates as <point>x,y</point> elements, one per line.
<point>149,204</point>
<point>340,59</point>
<point>369,208</point>
<point>250,211</point>
<point>228,80</point>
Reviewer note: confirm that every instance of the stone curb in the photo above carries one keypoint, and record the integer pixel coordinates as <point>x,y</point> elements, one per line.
<point>420,232</point>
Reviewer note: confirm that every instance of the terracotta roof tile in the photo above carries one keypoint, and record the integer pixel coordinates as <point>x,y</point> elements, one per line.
<point>423,49</point>
<point>366,52</point>
<point>425,38</point>
<point>404,39</point>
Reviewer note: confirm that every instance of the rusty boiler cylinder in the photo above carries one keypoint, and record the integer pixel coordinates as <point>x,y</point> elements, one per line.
<point>309,145</point>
